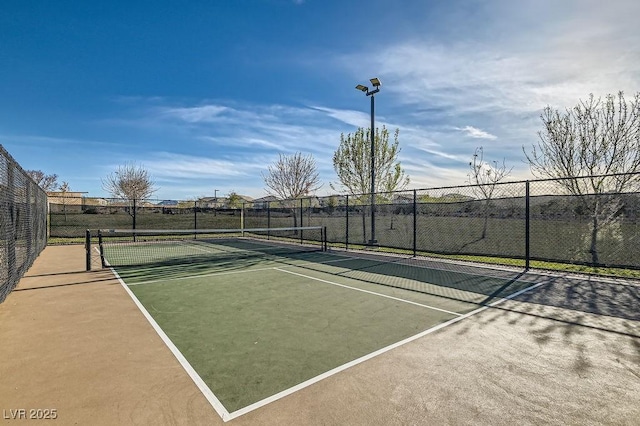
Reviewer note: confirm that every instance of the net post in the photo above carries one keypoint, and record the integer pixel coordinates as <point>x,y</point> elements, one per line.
<point>324,239</point>
<point>301,212</point>
<point>101,247</point>
<point>195,218</point>
<point>87,247</point>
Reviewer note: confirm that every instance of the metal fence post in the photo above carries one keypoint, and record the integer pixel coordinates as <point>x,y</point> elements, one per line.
<point>415,223</point>
<point>242,219</point>
<point>527,226</point>
<point>301,216</point>
<point>346,235</point>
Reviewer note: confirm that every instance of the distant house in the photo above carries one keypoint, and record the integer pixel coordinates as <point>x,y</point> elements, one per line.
<point>168,203</point>
<point>402,199</point>
<point>221,202</point>
<point>69,198</point>
<point>245,199</point>
<point>311,202</point>
<point>263,203</point>
<point>211,202</point>
<point>93,201</point>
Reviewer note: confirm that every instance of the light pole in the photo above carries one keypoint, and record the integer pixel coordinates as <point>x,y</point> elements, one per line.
<point>376,84</point>
<point>215,201</point>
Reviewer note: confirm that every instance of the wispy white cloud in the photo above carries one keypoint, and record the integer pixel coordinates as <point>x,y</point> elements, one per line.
<point>170,165</point>
<point>197,114</point>
<point>476,133</point>
<point>39,140</point>
<point>350,117</point>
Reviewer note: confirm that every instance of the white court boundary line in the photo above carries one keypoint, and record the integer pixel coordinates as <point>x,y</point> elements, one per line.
<point>208,394</point>
<point>226,415</point>
<point>368,292</point>
<point>402,259</point>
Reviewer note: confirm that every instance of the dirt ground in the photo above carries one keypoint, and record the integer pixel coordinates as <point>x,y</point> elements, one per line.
<point>73,343</point>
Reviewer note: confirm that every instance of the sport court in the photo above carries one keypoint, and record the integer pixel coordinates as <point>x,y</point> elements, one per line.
<point>255,319</point>
<point>566,352</point>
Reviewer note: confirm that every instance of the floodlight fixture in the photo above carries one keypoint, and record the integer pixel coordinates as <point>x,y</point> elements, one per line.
<point>362,88</point>
<point>375,81</point>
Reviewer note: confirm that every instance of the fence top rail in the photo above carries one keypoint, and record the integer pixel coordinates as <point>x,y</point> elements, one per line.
<point>189,204</point>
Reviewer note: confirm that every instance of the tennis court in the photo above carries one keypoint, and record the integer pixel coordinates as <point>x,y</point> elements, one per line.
<point>259,314</point>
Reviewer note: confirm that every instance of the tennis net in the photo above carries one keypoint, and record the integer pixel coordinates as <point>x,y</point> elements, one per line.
<point>132,247</point>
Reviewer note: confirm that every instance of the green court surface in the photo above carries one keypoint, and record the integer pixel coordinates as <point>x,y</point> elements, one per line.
<point>253,326</point>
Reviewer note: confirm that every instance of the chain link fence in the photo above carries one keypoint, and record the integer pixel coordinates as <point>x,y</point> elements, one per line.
<point>70,217</point>
<point>23,222</point>
<point>513,223</point>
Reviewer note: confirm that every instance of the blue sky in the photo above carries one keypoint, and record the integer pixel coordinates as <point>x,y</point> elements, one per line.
<point>206,94</point>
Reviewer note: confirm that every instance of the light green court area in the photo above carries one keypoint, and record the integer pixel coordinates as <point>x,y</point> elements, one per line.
<point>253,326</point>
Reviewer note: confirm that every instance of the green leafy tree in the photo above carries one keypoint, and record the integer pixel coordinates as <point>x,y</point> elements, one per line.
<point>234,200</point>
<point>592,151</point>
<point>352,164</point>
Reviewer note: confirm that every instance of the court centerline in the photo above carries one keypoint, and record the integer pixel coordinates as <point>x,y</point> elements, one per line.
<point>213,274</point>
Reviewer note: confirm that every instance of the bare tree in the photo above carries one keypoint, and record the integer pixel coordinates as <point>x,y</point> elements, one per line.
<point>352,163</point>
<point>484,177</point>
<point>44,181</point>
<point>592,151</point>
<point>131,183</point>
<point>292,177</point>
